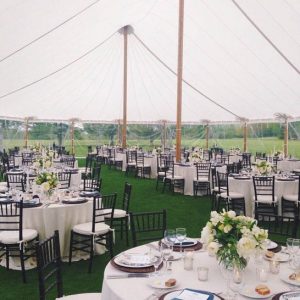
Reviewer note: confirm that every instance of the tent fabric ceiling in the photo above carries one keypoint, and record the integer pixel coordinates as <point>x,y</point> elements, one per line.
<point>225,58</point>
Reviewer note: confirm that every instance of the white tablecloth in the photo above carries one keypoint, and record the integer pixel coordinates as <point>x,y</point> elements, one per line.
<point>288,165</point>
<point>139,288</point>
<point>246,188</point>
<point>60,217</point>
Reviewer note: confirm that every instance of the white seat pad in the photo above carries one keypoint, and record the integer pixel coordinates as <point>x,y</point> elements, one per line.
<point>291,197</point>
<point>161,173</point>
<point>232,195</point>
<point>201,179</point>
<point>86,228</point>
<point>175,177</point>
<point>119,213</point>
<point>12,237</point>
<point>3,189</point>
<point>88,296</point>
<point>265,198</point>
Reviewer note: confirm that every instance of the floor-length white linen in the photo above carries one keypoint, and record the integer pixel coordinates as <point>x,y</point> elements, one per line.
<point>60,217</point>
<point>139,288</point>
<point>245,187</point>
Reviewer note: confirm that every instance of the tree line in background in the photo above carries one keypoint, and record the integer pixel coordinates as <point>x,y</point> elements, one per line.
<point>60,131</point>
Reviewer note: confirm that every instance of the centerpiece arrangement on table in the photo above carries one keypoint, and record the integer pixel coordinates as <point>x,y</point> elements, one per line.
<point>196,157</point>
<point>263,168</point>
<point>48,182</point>
<point>233,239</point>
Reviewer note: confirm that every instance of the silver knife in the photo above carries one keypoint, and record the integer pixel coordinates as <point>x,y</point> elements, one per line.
<point>130,275</point>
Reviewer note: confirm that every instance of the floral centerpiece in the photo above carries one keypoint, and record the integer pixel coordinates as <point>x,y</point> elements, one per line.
<point>264,168</point>
<point>233,239</point>
<point>45,160</point>
<point>196,157</point>
<point>278,154</point>
<point>47,181</point>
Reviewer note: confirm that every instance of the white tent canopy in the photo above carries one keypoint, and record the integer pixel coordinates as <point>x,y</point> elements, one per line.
<point>75,70</point>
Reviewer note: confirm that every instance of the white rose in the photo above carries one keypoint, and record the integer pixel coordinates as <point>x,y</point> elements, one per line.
<point>213,248</point>
<point>206,235</point>
<point>246,246</point>
<point>231,214</point>
<point>227,228</point>
<point>46,186</point>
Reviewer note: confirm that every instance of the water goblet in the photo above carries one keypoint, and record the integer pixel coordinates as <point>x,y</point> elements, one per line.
<point>170,236</point>
<point>180,236</point>
<point>156,259</point>
<point>166,250</point>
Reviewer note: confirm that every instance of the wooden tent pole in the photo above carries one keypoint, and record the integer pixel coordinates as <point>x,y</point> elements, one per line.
<point>245,137</point>
<point>72,138</point>
<point>26,133</point>
<point>164,134</point>
<point>179,80</point>
<point>286,138</point>
<point>124,128</point>
<point>206,136</point>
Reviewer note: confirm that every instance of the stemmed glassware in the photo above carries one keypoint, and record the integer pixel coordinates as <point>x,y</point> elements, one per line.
<point>166,250</point>
<point>180,236</point>
<point>293,247</point>
<point>170,236</point>
<point>156,259</point>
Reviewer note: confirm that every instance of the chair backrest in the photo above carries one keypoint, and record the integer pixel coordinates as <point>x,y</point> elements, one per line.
<point>246,160</point>
<point>264,186</point>
<point>64,179</point>
<point>222,182</point>
<point>11,216</point>
<point>69,160</point>
<point>140,159</point>
<point>147,226</point>
<point>203,170</point>
<point>49,266</point>
<point>234,168</point>
<point>16,180</point>
<point>92,184</point>
<point>89,163</point>
<point>126,196</point>
<point>131,156</point>
<point>280,227</point>
<point>103,209</point>
<point>96,170</point>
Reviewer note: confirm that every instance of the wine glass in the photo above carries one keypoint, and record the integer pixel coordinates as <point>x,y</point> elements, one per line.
<point>170,236</point>
<point>156,259</point>
<point>166,250</point>
<point>180,236</point>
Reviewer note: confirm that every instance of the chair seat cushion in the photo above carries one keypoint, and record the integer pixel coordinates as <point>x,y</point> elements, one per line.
<point>3,189</point>
<point>88,296</point>
<point>176,177</point>
<point>201,179</point>
<point>232,195</point>
<point>161,173</point>
<point>143,166</point>
<point>291,197</point>
<point>119,213</point>
<point>265,199</point>
<point>86,228</point>
<point>12,237</point>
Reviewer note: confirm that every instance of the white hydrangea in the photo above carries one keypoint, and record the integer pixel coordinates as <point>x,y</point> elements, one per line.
<point>46,186</point>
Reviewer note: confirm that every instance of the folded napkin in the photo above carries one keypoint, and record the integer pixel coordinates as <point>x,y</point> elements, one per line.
<point>186,243</point>
<point>292,295</point>
<point>189,294</point>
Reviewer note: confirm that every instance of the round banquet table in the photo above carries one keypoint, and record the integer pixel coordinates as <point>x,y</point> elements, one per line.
<point>246,188</point>
<point>139,288</point>
<point>46,219</point>
<point>288,165</point>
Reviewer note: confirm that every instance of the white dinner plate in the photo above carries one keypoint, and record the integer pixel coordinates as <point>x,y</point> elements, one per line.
<point>133,260</point>
<point>175,294</point>
<point>284,276</point>
<point>271,245</point>
<point>249,291</point>
<point>280,256</point>
<point>158,282</point>
<point>175,256</point>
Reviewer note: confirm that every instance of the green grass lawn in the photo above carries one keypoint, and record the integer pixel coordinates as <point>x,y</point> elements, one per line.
<point>182,211</point>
